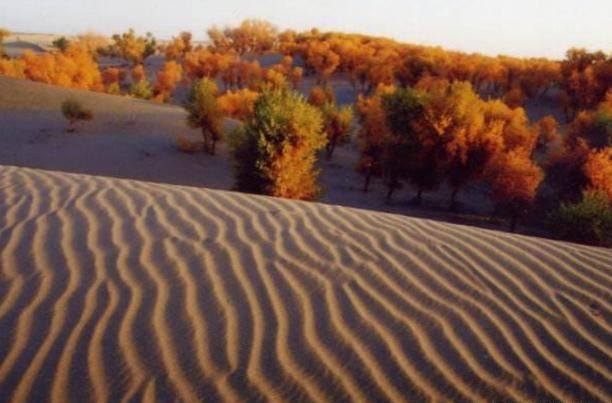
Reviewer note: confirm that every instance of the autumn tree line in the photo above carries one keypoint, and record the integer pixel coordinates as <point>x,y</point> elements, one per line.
<point>421,111</point>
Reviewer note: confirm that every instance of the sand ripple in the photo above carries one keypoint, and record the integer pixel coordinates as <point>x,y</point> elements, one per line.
<point>117,290</point>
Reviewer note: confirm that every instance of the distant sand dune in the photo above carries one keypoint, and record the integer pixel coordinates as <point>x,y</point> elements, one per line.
<point>118,290</point>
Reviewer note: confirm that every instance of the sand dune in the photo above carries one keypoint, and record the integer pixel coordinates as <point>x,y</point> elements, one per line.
<point>119,290</point>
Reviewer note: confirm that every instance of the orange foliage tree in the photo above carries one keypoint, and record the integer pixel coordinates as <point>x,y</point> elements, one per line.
<point>586,79</point>
<point>12,68</point>
<point>112,77</point>
<point>337,124</point>
<point>3,34</point>
<point>514,179</point>
<point>133,48</point>
<point>373,135</point>
<point>93,42</point>
<point>598,170</point>
<point>167,78</point>
<point>238,104</point>
<point>251,36</point>
<point>202,63</point>
<point>322,59</point>
<point>320,96</point>
<point>73,68</point>
<point>178,46</point>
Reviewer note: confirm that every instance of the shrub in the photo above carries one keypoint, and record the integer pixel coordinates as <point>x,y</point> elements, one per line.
<point>276,149</point>
<point>141,89</point>
<point>587,221</point>
<point>61,44</point>
<point>73,111</point>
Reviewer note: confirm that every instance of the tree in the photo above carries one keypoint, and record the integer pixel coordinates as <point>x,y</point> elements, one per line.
<point>238,104</point>
<point>295,76</point>
<point>587,221</point>
<point>203,63</point>
<point>469,137</point>
<point>93,42</point>
<point>112,77</point>
<point>12,68</point>
<point>598,171</point>
<point>3,34</point>
<point>514,180</point>
<point>374,135</point>
<point>564,169</point>
<point>320,96</point>
<point>548,133</point>
<point>204,112</point>
<point>133,48</point>
<point>251,36</point>
<point>404,110</point>
<point>275,150</point>
<point>74,67</point>
<point>138,73</point>
<point>178,47</point>
<point>167,78</point>
<point>61,43</point>
<point>515,98</point>
<point>337,124</point>
<point>586,77</point>
<point>322,59</point>
<point>73,111</point>
<point>141,89</point>
<point>594,127</point>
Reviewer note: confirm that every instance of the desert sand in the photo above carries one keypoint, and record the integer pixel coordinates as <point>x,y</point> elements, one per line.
<point>123,290</point>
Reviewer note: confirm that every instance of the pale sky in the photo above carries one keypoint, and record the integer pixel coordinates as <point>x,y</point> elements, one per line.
<point>514,27</point>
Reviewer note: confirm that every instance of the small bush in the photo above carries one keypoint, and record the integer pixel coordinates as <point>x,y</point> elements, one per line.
<point>587,221</point>
<point>73,111</point>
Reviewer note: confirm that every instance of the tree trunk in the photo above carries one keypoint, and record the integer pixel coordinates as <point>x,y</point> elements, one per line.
<point>331,146</point>
<point>513,222</point>
<point>419,197</point>
<point>453,200</point>
<point>205,138</point>
<point>392,185</point>
<point>366,184</point>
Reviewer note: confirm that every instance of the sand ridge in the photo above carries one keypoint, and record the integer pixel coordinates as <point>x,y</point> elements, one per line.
<point>115,290</point>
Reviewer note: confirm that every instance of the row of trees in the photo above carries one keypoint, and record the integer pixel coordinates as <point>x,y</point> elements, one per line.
<point>448,134</point>
<point>583,77</point>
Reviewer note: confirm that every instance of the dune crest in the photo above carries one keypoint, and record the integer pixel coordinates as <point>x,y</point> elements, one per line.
<point>113,290</point>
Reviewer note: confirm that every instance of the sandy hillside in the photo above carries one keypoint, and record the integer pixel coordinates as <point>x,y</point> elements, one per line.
<point>119,290</point>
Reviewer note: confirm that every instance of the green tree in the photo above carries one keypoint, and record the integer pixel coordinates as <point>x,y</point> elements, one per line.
<point>404,109</point>
<point>204,112</point>
<point>587,221</point>
<point>275,151</point>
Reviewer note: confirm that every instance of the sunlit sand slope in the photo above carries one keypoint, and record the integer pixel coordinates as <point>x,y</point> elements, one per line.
<point>118,290</point>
